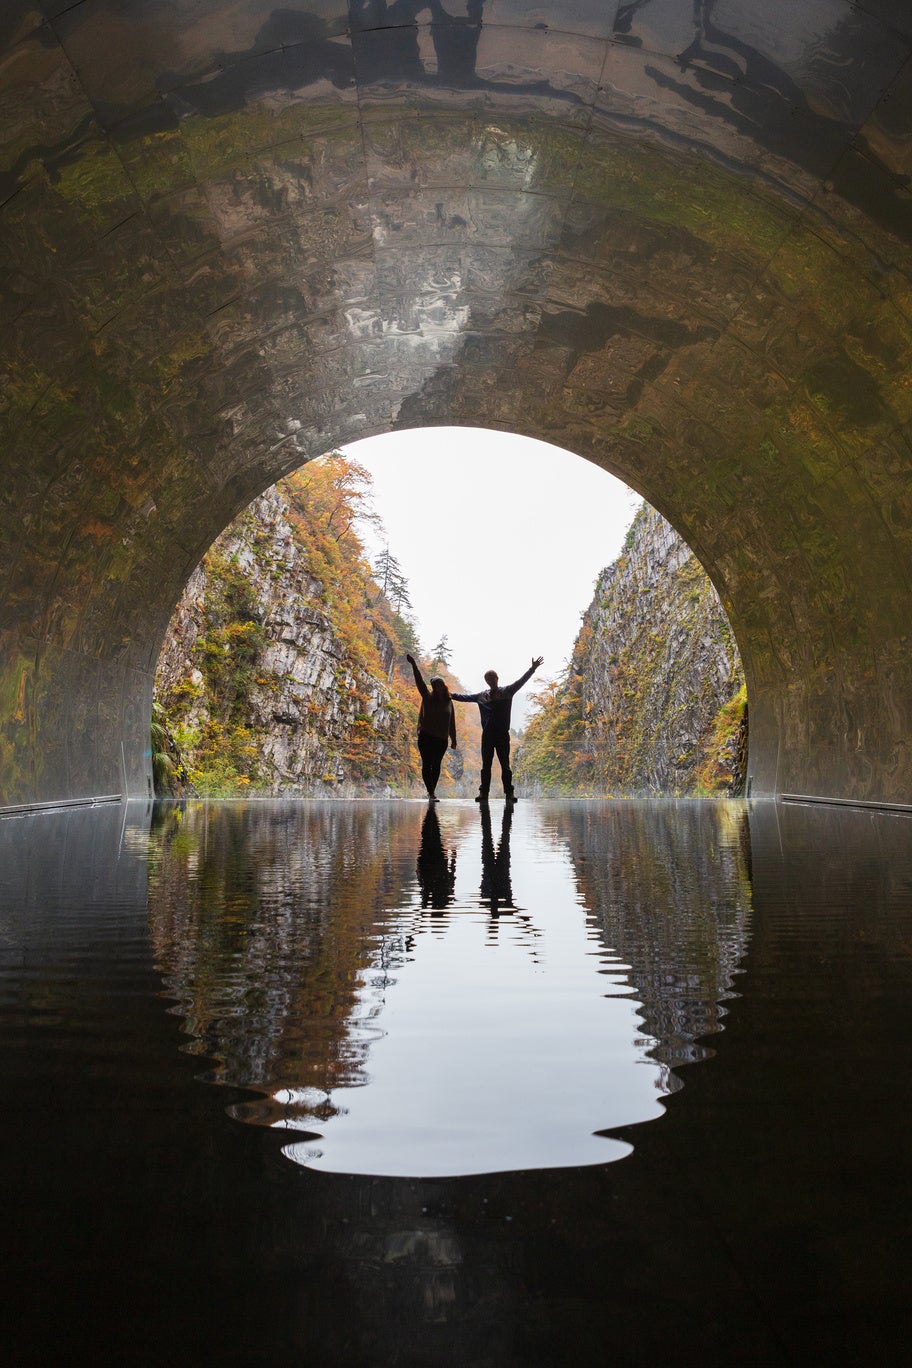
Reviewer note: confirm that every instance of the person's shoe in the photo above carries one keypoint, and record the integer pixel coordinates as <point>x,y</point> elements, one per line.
<point>481,798</point>
<point>510,797</point>
<point>432,798</point>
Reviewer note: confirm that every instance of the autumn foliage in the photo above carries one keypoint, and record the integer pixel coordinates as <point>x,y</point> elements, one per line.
<point>295,556</point>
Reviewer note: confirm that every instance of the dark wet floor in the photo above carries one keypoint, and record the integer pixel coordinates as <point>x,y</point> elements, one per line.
<point>325,1083</point>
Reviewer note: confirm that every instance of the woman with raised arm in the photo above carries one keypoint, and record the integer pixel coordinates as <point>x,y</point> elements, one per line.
<point>436,726</point>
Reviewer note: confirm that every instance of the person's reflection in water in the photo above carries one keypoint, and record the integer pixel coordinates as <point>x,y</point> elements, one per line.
<point>436,870</point>
<point>496,888</point>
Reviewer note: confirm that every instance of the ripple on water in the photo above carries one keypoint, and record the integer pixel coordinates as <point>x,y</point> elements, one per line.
<point>438,992</point>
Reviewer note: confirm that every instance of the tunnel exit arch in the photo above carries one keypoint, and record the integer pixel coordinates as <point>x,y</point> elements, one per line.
<point>678,246</point>
<point>499,541</point>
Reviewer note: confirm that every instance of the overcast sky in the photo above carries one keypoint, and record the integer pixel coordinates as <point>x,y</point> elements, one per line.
<point>501,539</point>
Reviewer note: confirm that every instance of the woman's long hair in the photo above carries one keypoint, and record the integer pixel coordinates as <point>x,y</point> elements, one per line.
<point>440,689</point>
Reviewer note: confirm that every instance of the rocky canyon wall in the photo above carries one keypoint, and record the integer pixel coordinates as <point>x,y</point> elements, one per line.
<point>653,701</point>
<point>283,667</point>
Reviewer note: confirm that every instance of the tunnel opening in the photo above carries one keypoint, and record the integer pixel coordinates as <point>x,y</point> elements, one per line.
<point>676,239</point>
<point>284,667</point>
<point>676,244</point>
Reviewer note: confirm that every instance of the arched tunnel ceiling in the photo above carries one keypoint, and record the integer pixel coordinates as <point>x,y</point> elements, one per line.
<point>674,237</point>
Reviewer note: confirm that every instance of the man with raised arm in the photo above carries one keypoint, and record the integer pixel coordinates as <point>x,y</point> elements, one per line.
<point>494,704</point>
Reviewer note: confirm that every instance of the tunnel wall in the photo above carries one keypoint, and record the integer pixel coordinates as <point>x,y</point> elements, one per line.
<point>675,241</point>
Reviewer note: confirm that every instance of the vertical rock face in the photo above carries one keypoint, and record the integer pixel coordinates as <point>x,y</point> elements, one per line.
<point>282,670</point>
<point>255,674</point>
<point>653,701</point>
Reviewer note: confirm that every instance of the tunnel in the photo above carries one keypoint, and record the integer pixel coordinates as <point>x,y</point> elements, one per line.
<point>674,238</point>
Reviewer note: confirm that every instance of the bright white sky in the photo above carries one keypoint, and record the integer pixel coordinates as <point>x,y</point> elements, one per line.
<point>501,539</point>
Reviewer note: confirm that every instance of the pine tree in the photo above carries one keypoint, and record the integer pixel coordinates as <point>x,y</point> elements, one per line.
<point>399,596</point>
<point>388,574</point>
<point>386,570</point>
<point>408,635</point>
<point>441,654</point>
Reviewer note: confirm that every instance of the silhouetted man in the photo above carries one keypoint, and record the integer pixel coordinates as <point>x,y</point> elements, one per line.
<point>494,704</point>
<point>496,885</point>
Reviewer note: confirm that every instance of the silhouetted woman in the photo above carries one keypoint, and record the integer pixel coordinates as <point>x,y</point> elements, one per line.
<point>435,868</point>
<point>436,725</point>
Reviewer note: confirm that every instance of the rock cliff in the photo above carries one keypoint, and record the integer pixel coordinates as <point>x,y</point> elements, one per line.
<point>282,670</point>
<point>653,701</point>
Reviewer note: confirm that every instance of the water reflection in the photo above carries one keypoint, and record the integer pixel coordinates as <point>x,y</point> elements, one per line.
<point>496,888</point>
<point>436,867</point>
<point>757,1221</point>
<point>353,963</point>
<point>669,885</point>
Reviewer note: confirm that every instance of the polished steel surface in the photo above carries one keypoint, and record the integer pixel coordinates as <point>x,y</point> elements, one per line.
<point>673,237</point>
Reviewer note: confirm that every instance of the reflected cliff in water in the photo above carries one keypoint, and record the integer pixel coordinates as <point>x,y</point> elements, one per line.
<point>669,885</point>
<point>441,991</point>
<point>760,1211</point>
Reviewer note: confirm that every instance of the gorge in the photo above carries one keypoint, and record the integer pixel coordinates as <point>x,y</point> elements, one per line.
<point>283,666</point>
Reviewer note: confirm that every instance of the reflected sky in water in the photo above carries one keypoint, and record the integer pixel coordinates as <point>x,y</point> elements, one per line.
<point>768,953</point>
<point>430,992</point>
